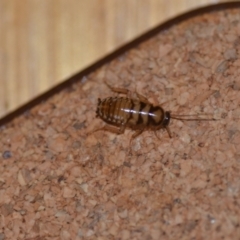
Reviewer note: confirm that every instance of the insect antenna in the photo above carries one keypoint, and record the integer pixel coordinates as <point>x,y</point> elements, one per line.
<point>192,117</point>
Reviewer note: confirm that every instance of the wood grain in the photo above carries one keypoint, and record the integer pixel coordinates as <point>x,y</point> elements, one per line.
<point>42,42</point>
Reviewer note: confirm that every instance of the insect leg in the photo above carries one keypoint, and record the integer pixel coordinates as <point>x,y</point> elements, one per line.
<point>142,98</point>
<point>156,135</point>
<point>120,90</point>
<point>137,133</point>
<point>169,132</point>
<point>113,129</point>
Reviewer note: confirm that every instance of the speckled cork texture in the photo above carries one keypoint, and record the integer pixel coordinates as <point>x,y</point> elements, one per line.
<point>57,181</point>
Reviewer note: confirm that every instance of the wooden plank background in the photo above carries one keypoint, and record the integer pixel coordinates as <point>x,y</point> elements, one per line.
<point>42,42</point>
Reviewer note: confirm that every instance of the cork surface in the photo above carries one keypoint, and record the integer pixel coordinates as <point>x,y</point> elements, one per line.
<point>57,181</point>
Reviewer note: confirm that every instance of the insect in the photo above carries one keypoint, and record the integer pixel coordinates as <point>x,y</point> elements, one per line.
<point>138,114</point>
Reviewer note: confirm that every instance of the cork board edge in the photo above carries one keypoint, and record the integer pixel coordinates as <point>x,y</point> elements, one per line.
<point>78,77</point>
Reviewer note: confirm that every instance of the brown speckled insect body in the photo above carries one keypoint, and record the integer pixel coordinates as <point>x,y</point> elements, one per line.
<point>126,112</point>
<point>138,114</point>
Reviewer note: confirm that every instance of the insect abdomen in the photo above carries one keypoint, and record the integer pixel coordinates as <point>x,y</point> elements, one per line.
<point>114,110</point>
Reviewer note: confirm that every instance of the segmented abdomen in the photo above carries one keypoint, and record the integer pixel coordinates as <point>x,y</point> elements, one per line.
<point>129,112</point>
<point>115,110</point>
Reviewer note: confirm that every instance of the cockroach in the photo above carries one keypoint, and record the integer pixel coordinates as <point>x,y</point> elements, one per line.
<point>137,114</point>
